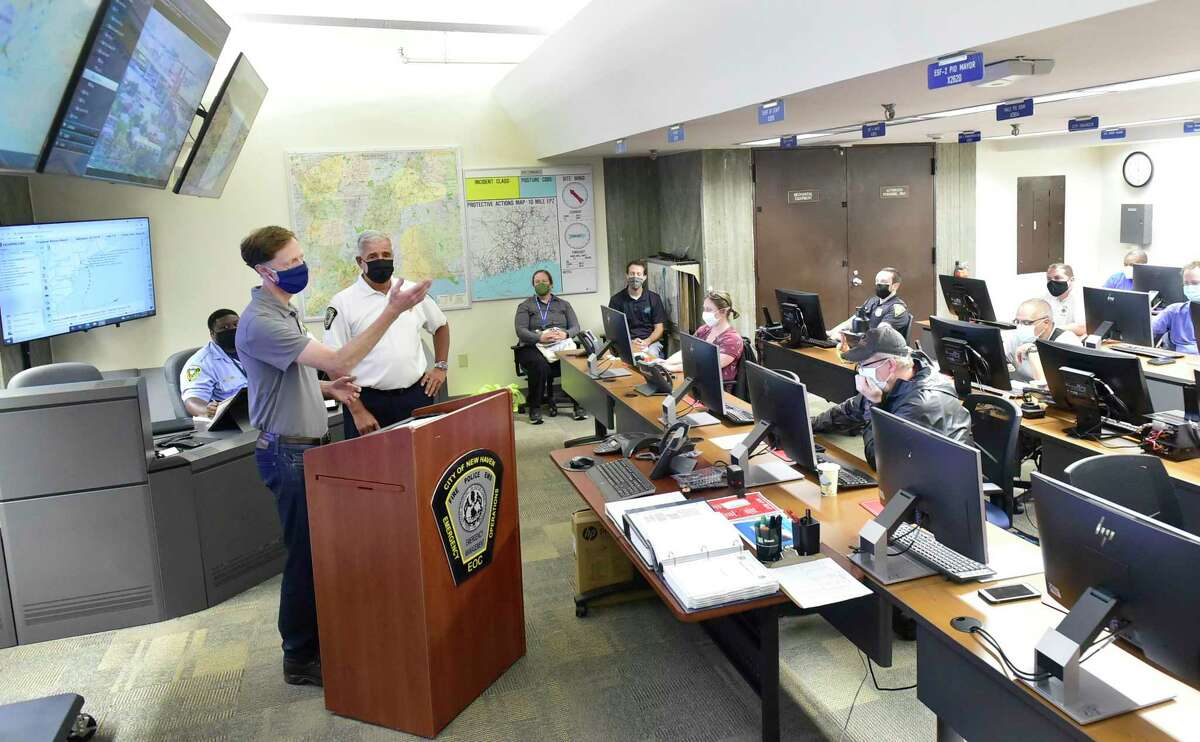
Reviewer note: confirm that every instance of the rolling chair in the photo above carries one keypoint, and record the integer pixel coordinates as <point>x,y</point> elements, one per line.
<point>996,428</point>
<point>171,370</point>
<point>1137,481</point>
<point>740,388</point>
<point>907,331</point>
<point>554,395</point>
<point>54,373</point>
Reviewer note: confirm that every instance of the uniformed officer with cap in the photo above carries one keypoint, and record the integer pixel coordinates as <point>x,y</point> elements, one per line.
<point>885,306</point>
<point>281,361</point>
<point>213,373</point>
<point>395,376</point>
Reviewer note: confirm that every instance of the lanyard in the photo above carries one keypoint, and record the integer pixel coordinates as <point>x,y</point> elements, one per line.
<point>544,313</point>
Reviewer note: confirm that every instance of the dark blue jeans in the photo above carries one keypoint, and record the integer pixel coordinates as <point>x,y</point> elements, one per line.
<point>282,470</point>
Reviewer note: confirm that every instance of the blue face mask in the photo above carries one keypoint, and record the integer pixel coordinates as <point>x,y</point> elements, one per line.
<point>1191,291</point>
<point>292,280</point>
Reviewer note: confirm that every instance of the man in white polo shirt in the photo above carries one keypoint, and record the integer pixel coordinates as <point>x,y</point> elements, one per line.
<point>395,376</point>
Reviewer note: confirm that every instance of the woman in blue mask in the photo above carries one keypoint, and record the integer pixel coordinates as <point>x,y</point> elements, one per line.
<point>1176,320</point>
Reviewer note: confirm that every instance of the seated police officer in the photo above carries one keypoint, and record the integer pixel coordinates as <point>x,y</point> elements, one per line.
<point>395,376</point>
<point>899,380</point>
<point>643,310</point>
<point>213,373</point>
<point>885,306</point>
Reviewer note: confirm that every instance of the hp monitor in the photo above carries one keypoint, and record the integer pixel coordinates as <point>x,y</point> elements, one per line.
<point>1118,315</point>
<point>1167,281</point>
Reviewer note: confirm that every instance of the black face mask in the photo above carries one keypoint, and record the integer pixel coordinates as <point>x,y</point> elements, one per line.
<point>1056,288</point>
<point>883,291</point>
<point>225,340</point>
<point>379,271</point>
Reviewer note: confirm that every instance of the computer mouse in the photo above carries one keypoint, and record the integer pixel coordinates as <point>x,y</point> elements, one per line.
<point>580,463</point>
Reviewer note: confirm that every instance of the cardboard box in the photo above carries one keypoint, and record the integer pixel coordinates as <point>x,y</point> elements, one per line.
<point>598,559</point>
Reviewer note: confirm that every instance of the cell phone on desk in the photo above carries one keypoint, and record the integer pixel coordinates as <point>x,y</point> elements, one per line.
<point>1008,593</point>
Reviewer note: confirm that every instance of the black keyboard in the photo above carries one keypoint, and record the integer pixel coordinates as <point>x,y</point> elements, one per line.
<point>819,343</point>
<point>619,480</point>
<point>848,477</point>
<point>738,415</point>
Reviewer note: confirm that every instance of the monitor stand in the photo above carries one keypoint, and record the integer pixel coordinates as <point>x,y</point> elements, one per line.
<point>873,539</point>
<point>758,475</point>
<point>671,401</point>
<point>1076,692</point>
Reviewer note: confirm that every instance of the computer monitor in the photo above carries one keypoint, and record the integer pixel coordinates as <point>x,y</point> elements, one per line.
<point>971,353</point>
<point>1113,567</point>
<point>780,407</point>
<point>1165,279</point>
<point>126,114</point>
<point>800,314</point>
<point>71,276</point>
<point>702,377</point>
<point>226,126</point>
<point>1118,315</point>
<point>1116,383</point>
<point>616,334</point>
<point>42,45</point>
<point>968,298</point>
<point>929,479</point>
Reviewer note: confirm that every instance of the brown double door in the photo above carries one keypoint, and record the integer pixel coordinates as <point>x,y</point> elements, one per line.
<point>828,218</point>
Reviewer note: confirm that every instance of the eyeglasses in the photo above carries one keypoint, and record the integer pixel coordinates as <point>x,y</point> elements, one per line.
<point>1026,322</point>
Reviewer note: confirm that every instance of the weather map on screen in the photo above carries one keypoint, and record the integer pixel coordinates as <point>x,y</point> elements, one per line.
<point>40,43</point>
<point>134,102</point>
<point>71,276</point>
<point>224,133</point>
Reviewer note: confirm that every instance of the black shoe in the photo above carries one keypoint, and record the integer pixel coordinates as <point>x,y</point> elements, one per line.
<point>302,672</point>
<point>535,416</point>
<point>552,410</point>
<point>578,413</point>
<point>904,627</point>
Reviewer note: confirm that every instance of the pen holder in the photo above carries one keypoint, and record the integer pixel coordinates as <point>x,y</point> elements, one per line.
<point>768,544</point>
<point>806,533</point>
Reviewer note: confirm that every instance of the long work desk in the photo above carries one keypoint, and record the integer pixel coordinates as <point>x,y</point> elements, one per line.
<point>961,682</point>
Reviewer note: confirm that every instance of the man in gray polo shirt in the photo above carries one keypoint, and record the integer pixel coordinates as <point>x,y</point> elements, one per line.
<point>281,361</point>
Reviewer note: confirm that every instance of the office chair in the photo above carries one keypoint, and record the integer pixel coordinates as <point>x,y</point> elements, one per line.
<point>995,428</point>
<point>54,373</point>
<point>1137,481</point>
<point>740,387</point>
<point>171,370</point>
<point>554,395</point>
<point>907,330</point>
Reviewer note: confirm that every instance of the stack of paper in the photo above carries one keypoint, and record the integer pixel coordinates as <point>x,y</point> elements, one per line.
<point>671,534</point>
<point>711,582</point>
<point>818,582</point>
<point>616,509</point>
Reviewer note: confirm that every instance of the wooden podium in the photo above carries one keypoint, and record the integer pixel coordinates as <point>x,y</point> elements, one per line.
<point>417,614</point>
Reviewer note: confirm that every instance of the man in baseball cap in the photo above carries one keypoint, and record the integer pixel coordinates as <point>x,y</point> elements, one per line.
<point>898,380</point>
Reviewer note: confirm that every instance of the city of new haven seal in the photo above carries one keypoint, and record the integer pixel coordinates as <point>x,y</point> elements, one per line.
<point>465,504</point>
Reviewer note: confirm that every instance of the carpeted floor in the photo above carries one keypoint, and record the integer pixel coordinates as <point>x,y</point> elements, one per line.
<point>626,672</point>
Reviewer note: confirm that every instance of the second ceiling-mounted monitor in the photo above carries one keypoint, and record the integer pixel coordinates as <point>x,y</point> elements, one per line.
<point>127,112</point>
<point>40,47</point>
<point>225,129</point>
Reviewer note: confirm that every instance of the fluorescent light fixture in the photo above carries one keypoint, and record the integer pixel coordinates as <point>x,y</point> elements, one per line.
<point>674,127</point>
<point>769,104</point>
<point>1007,71</point>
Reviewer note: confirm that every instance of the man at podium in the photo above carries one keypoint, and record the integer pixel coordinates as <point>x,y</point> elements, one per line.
<point>281,361</point>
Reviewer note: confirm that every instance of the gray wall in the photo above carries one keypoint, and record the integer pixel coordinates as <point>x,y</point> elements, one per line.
<point>17,208</point>
<point>631,213</point>
<point>728,230</point>
<point>679,204</point>
<point>954,210</point>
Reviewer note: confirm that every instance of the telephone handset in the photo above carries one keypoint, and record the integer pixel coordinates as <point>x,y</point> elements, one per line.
<point>674,442</point>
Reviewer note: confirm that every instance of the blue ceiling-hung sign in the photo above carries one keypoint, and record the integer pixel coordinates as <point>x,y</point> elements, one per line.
<point>621,147</point>
<point>675,133</point>
<point>956,70</point>
<point>1117,132</point>
<point>968,137</point>
<point>1014,110</point>
<point>788,142</point>
<point>770,113</point>
<point>877,129</point>
<point>1083,123</point>
<point>1191,127</point>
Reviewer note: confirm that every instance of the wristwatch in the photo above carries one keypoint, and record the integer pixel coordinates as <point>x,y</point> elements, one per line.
<point>442,365</point>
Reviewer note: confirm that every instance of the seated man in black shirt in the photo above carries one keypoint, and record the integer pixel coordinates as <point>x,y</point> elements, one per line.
<point>643,309</point>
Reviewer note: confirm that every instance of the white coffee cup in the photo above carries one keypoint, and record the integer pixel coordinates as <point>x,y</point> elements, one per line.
<point>828,476</point>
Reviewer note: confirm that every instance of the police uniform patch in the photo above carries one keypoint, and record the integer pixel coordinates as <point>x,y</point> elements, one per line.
<point>878,311</point>
<point>192,373</point>
<point>330,316</point>
<point>898,310</point>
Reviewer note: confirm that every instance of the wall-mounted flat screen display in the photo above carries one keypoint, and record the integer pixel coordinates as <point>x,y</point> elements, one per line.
<point>73,276</point>
<point>130,108</point>
<point>224,132</point>
<point>41,42</point>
